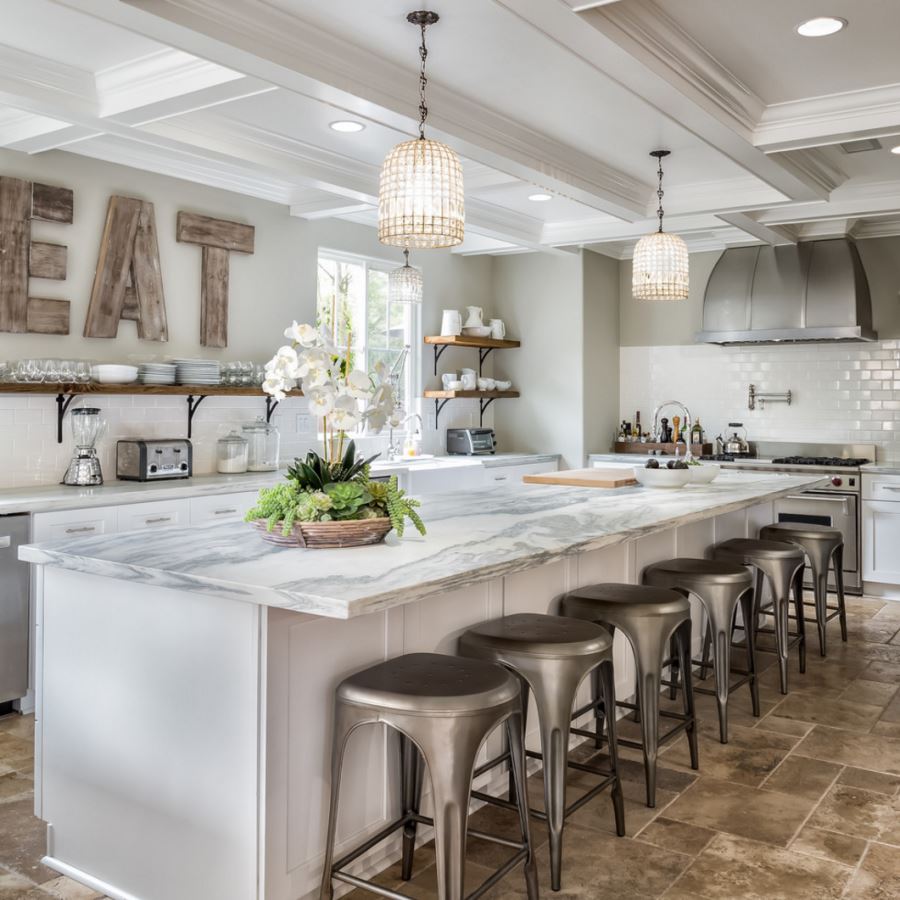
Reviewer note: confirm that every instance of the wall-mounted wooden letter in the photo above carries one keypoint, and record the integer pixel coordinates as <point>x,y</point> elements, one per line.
<point>218,238</point>
<point>128,279</point>
<point>20,202</point>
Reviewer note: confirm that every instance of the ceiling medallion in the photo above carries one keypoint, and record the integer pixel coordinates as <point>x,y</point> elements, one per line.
<point>420,195</point>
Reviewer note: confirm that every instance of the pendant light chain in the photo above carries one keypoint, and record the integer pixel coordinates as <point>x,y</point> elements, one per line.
<point>659,193</point>
<point>423,82</point>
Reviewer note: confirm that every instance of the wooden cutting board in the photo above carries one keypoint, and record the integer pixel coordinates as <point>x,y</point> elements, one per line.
<point>599,478</point>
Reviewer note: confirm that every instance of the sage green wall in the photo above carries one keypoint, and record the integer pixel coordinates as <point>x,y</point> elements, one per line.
<point>668,324</point>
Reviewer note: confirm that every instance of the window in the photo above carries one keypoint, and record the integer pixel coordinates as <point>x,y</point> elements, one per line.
<point>352,302</point>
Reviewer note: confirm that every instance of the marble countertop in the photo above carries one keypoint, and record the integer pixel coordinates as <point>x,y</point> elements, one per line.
<point>885,468</point>
<point>471,537</point>
<point>50,497</point>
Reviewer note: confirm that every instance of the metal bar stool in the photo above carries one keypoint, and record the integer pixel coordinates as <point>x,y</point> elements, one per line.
<point>648,617</point>
<point>782,565</point>
<point>721,587</point>
<point>824,548</point>
<point>552,655</point>
<point>444,708</point>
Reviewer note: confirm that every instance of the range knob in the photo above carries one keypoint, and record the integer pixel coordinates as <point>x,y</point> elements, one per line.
<point>153,468</point>
<point>837,481</point>
<point>183,466</point>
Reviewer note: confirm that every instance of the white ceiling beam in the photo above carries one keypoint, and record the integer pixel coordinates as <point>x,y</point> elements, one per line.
<point>267,42</point>
<point>850,202</point>
<point>587,231</point>
<point>768,234</point>
<point>641,47</point>
<point>326,207</point>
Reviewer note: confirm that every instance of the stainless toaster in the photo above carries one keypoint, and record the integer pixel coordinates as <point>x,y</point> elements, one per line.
<point>153,460</point>
<point>471,441</point>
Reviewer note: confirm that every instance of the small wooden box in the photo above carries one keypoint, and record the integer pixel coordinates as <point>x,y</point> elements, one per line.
<point>669,449</point>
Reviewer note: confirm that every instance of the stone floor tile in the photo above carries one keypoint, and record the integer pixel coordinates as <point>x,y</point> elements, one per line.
<point>870,781</point>
<point>859,813</point>
<point>878,752</point>
<point>882,671</point>
<point>873,629</point>
<point>15,786</point>
<point>424,885</point>
<point>876,693</point>
<point>832,711</point>
<point>840,848</point>
<point>67,889</point>
<point>748,757</point>
<point>891,711</point>
<point>888,729</point>
<point>15,752</point>
<point>18,726</point>
<point>23,841</point>
<point>803,776</point>
<point>769,816</point>
<point>860,606</point>
<point>784,726</point>
<point>890,610</point>
<point>677,836</point>
<point>878,878</point>
<point>733,868</point>
<point>503,823</point>
<point>13,886</point>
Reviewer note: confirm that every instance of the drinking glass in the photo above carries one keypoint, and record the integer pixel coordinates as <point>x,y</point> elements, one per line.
<point>66,371</point>
<point>82,372</point>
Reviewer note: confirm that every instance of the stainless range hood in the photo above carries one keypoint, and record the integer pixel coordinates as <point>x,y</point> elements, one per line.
<point>813,291</point>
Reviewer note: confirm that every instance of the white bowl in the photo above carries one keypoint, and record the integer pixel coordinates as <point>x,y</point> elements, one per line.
<point>486,384</point>
<point>477,330</point>
<point>662,478</point>
<point>705,473</point>
<point>453,386</point>
<point>502,385</point>
<point>111,374</point>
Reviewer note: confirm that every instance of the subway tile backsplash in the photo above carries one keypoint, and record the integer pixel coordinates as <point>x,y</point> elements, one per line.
<point>842,393</point>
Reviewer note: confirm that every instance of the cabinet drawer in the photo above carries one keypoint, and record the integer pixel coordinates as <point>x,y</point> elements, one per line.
<point>495,475</point>
<point>73,523</point>
<point>881,487</point>
<point>162,514</point>
<point>221,508</point>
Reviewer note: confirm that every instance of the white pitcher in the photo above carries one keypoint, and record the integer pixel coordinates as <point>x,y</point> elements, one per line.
<point>475,318</point>
<point>451,323</point>
<point>498,329</point>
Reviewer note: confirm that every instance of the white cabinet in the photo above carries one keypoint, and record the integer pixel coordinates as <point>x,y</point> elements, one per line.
<point>73,523</point>
<point>158,514</point>
<point>881,528</point>
<point>512,474</point>
<point>222,507</point>
<point>442,479</point>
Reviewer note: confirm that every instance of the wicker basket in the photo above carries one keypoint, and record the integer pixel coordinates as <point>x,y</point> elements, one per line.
<point>320,535</point>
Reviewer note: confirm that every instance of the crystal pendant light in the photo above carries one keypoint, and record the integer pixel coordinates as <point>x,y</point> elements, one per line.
<point>420,195</point>
<point>405,284</point>
<point>660,263</point>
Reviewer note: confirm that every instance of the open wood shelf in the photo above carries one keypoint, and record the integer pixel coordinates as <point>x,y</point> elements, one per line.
<point>463,340</point>
<point>454,395</point>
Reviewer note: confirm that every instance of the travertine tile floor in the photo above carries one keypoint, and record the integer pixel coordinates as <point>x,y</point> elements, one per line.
<point>801,803</point>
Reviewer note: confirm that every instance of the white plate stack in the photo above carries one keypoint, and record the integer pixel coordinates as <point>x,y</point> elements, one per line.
<point>156,373</point>
<point>197,371</point>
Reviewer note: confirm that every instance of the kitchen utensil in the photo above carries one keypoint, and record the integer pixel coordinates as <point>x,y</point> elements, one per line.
<point>735,444</point>
<point>498,329</point>
<point>474,317</point>
<point>468,381</point>
<point>451,322</point>
<point>480,331</point>
<point>87,427</point>
<point>232,454</point>
<point>601,478</point>
<point>486,384</point>
<point>447,379</point>
<point>154,459</point>
<point>264,442</point>
<point>662,478</point>
<point>113,374</point>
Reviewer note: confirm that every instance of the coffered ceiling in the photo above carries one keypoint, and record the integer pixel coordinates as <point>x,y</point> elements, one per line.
<point>538,96</point>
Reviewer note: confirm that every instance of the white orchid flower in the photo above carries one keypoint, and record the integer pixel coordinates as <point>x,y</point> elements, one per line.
<point>346,414</point>
<point>358,384</point>
<point>303,334</point>
<point>376,420</point>
<point>276,387</point>
<point>317,378</point>
<point>321,402</point>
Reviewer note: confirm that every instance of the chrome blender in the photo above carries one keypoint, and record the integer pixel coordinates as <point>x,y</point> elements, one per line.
<point>87,427</point>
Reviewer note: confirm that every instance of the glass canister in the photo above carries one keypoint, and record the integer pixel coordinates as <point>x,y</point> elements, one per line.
<point>232,452</point>
<point>265,441</point>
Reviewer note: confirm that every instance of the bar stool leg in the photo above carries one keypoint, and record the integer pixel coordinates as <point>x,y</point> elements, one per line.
<point>524,688</point>
<point>780,588</point>
<point>345,720</point>
<point>515,731</point>
<point>411,788</point>
<point>800,613</point>
<point>750,638</point>
<point>683,637</point>
<point>721,636</point>
<point>820,588</point>
<point>648,684</point>
<point>838,561</point>
<point>606,680</point>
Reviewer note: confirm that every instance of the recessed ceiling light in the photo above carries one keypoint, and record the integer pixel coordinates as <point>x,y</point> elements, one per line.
<point>896,149</point>
<point>540,198</point>
<point>347,127</point>
<point>821,26</point>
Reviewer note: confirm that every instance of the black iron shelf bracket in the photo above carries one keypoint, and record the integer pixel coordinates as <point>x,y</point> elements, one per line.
<point>482,356</point>
<point>438,406</point>
<point>192,405</point>
<point>63,402</point>
<point>484,404</point>
<point>271,405</point>
<point>438,353</point>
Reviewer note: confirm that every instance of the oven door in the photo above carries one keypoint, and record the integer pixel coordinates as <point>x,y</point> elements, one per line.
<point>834,510</point>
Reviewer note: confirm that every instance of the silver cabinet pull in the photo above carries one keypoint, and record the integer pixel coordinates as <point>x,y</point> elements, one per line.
<point>82,529</point>
<point>5,541</point>
<point>224,512</point>
<point>887,487</point>
<point>158,520</point>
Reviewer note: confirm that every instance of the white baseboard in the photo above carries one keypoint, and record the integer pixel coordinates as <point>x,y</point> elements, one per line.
<point>881,591</point>
<point>88,880</point>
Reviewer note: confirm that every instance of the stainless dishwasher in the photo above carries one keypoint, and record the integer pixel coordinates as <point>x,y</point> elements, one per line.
<point>14,584</point>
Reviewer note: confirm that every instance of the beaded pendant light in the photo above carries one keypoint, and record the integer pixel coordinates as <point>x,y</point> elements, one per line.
<point>420,195</point>
<point>660,263</point>
<point>405,284</point>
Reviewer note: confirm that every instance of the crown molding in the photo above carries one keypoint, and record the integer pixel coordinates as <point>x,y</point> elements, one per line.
<point>829,119</point>
<point>884,226</point>
<point>813,165</point>
<point>47,76</point>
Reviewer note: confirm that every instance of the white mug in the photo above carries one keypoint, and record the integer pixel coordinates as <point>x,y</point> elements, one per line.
<point>498,329</point>
<point>451,323</point>
<point>468,381</point>
<point>447,378</point>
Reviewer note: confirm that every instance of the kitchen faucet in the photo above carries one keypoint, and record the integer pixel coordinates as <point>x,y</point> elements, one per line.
<point>688,422</point>
<point>395,452</point>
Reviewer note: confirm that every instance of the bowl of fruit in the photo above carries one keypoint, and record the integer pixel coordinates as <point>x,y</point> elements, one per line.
<point>659,474</point>
<point>703,473</point>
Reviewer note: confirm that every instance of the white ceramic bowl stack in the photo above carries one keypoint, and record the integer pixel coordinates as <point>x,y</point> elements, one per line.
<point>197,371</point>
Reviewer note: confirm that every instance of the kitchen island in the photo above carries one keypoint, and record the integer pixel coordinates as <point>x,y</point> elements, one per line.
<point>185,677</point>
